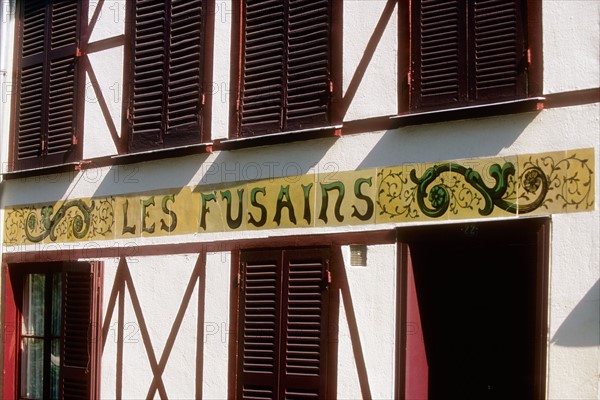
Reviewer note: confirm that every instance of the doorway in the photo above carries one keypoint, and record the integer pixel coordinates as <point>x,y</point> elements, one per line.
<point>475,306</point>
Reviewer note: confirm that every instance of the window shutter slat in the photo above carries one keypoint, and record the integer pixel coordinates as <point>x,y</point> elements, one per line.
<point>308,64</point>
<point>77,334</point>
<point>62,96</point>
<point>29,141</point>
<point>64,23</point>
<point>259,324</point>
<point>497,49</point>
<point>439,54</point>
<point>185,83</point>
<point>31,83</point>
<point>34,23</point>
<point>304,324</point>
<point>263,58</point>
<point>285,57</point>
<point>148,79</point>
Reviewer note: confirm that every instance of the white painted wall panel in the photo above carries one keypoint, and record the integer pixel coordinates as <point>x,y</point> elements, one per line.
<point>571,42</point>
<point>374,88</point>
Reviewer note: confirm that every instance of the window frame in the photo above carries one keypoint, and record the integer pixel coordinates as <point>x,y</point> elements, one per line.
<point>532,101</point>
<point>75,153</point>
<point>294,133</point>
<point>203,137</point>
<point>15,274</point>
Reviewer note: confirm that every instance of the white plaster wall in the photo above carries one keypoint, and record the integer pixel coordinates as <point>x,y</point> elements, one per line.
<point>97,127</point>
<point>377,89</point>
<point>571,43</point>
<point>221,83</point>
<point>574,334</point>
<point>110,21</point>
<point>373,292</point>
<point>217,326</point>
<point>107,67</point>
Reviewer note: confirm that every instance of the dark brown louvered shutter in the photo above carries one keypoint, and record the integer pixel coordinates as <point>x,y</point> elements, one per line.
<point>285,66</point>
<point>283,324</point>
<point>259,326</point>
<point>47,99</point>
<point>167,90</point>
<point>304,324</point>
<point>307,97</point>
<point>439,58</point>
<point>263,55</point>
<point>466,53</point>
<point>497,48</point>
<point>79,331</point>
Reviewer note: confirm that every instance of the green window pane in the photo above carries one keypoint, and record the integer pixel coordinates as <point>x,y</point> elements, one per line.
<point>33,304</point>
<point>56,304</point>
<point>32,368</point>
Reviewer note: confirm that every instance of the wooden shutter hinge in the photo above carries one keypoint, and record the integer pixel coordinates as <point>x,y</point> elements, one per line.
<point>74,140</point>
<point>203,99</point>
<point>329,277</point>
<point>529,56</point>
<point>78,53</point>
<point>330,86</point>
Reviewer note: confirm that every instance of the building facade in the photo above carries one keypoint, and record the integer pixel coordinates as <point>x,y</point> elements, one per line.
<point>300,199</point>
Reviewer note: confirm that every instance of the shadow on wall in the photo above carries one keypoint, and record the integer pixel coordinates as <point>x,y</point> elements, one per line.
<point>447,141</point>
<point>581,328</point>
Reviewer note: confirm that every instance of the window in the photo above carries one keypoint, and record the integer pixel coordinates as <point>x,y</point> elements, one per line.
<point>285,83</point>
<point>282,330</point>
<point>465,53</point>
<point>167,93</point>
<point>49,95</point>
<point>57,309</point>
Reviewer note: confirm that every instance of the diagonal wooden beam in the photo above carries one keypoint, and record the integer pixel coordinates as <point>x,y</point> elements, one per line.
<point>95,17</point>
<point>359,357</point>
<point>137,308</point>
<point>104,107</point>
<point>386,15</point>
<point>199,270</point>
<point>112,301</point>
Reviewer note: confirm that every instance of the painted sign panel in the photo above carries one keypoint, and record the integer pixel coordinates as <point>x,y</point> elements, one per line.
<point>557,182</point>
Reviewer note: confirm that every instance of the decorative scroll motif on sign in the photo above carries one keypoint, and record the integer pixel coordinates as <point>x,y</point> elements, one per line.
<point>74,220</point>
<point>556,182</point>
